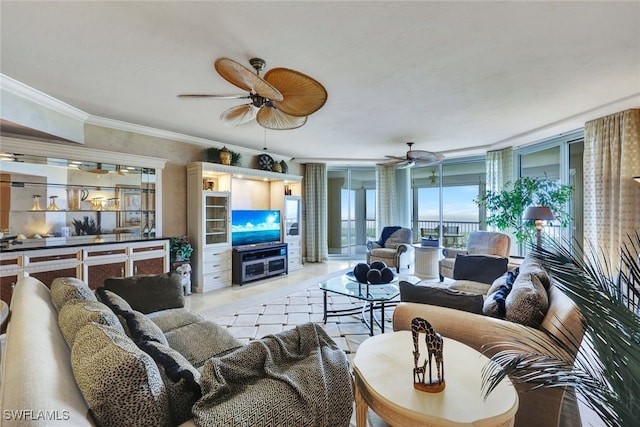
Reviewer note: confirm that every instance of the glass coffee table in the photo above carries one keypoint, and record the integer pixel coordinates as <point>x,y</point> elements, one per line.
<point>374,297</point>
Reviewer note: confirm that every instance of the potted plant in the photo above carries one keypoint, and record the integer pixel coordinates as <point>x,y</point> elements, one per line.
<point>506,207</point>
<point>179,249</point>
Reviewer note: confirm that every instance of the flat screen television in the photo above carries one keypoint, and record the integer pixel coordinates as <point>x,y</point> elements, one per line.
<point>253,227</point>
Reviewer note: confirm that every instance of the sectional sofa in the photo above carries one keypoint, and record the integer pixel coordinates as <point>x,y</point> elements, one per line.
<point>75,357</point>
<point>466,311</point>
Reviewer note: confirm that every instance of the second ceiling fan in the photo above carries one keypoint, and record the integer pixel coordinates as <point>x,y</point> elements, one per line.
<point>281,100</point>
<point>415,158</point>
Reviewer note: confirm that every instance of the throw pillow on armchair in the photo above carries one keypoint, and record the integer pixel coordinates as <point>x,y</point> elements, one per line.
<point>479,268</point>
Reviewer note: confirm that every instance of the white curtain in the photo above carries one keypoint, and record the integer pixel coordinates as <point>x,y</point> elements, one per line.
<point>386,200</point>
<point>499,168</point>
<point>316,223</point>
<point>611,196</point>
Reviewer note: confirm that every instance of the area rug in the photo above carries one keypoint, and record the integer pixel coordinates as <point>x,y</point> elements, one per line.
<point>284,308</point>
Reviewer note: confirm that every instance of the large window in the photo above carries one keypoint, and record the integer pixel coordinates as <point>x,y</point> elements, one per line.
<point>444,197</point>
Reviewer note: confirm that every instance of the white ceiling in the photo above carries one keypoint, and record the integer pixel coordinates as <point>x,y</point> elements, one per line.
<point>450,76</point>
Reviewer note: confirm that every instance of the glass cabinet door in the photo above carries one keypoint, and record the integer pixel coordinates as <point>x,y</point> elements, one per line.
<point>216,218</point>
<point>291,216</point>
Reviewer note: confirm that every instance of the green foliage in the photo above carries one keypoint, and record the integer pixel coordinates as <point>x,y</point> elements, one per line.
<point>179,247</point>
<point>506,207</point>
<point>606,372</point>
<point>86,227</point>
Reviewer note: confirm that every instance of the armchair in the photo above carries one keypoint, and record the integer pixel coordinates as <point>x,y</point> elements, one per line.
<point>479,243</point>
<point>392,248</point>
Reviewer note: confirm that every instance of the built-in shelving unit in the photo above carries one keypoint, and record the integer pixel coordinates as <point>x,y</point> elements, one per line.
<point>69,211</point>
<point>214,191</point>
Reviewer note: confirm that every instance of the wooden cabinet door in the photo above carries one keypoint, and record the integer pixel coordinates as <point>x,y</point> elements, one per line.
<point>97,274</point>
<point>47,277</point>
<point>6,287</point>
<point>149,266</point>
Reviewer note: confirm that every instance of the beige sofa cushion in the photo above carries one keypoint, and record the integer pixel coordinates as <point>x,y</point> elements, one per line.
<point>198,342</point>
<point>121,384</point>
<point>69,289</point>
<point>72,317</point>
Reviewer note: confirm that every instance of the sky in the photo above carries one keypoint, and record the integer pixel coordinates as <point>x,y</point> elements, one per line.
<point>458,204</point>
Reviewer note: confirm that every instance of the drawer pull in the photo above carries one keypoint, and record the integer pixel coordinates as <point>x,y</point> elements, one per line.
<point>216,265</point>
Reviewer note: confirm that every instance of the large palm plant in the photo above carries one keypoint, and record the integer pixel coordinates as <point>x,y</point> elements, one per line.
<point>606,372</point>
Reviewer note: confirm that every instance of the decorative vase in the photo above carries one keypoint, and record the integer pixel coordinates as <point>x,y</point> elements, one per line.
<point>277,167</point>
<point>36,203</point>
<point>52,204</point>
<point>225,156</point>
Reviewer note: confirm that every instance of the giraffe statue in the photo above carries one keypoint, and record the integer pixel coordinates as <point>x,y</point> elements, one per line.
<point>435,347</point>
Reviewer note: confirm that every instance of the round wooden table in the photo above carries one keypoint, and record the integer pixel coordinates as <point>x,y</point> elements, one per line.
<point>383,373</point>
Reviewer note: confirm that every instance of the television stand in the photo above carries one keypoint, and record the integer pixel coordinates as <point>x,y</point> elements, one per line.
<point>249,263</point>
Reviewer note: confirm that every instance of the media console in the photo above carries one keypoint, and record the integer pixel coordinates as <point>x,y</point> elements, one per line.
<point>258,262</point>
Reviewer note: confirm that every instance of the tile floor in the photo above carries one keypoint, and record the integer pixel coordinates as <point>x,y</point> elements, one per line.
<point>273,305</point>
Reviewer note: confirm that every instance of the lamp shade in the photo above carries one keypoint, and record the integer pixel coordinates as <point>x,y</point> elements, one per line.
<point>538,212</point>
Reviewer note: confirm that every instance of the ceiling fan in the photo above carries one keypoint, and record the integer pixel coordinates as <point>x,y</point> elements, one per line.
<point>416,158</point>
<point>281,100</point>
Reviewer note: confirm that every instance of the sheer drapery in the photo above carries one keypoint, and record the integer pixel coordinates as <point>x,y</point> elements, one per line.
<point>499,165</point>
<point>611,196</point>
<point>386,200</point>
<point>499,168</point>
<point>316,223</point>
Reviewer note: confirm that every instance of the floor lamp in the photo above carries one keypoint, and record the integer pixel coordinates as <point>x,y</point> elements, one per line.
<point>538,214</point>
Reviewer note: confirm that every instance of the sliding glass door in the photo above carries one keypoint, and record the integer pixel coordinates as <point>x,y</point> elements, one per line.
<point>351,193</point>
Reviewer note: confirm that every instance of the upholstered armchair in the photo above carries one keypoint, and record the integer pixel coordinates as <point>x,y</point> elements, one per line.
<point>393,247</point>
<point>479,243</point>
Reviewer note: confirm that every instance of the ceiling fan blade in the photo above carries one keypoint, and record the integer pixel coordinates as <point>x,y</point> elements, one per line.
<point>426,157</point>
<point>406,164</point>
<point>208,95</point>
<point>246,79</point>
<point>302,94</point>
<point>272,118</point>
<point>239,115</point>
<point>401,159</point>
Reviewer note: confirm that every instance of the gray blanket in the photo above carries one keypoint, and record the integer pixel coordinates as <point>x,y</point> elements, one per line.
<point>295,378</point>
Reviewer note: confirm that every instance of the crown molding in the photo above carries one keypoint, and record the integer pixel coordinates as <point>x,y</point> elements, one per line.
<point>73,152</point>
<point>28,93</point>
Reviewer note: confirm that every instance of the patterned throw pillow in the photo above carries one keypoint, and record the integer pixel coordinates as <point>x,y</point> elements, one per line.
<point>528,301</point>
<point>120,383</point>
<point>180,378</point>
<point>136,325</point>
<point>72,317</point>
<point>69,289</point>
<point>112,299</point>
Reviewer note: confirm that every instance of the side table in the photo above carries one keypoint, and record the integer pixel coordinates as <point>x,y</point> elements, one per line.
<point>383,374</point>
<point>427,257</point>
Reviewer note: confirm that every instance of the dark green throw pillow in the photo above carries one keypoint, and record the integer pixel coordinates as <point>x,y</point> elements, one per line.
<point>442,297</point>
<point>479,268</point>
<point>149,293</point>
